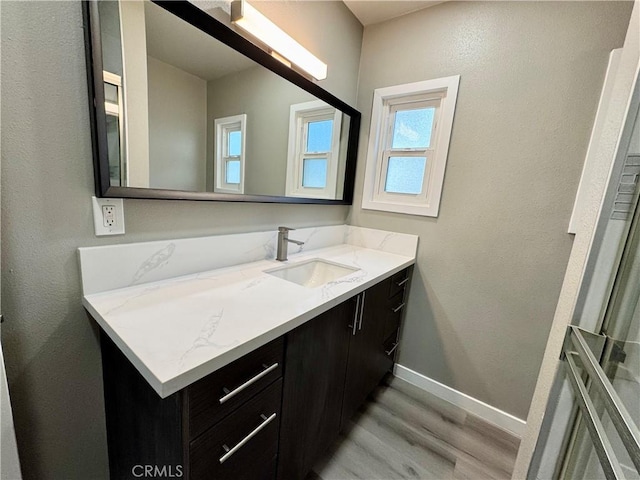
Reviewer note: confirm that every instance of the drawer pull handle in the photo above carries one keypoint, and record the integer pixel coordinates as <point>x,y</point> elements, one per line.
<point>232,394</point>
<point>361,310</point>
<point>231,451</point>
<point>389,352</point>
<point>399,307</point>
<point>402,282</point>
<point>355,317</point>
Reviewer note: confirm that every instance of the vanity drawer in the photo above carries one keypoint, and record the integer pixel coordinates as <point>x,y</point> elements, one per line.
<point>398,282</point>
<point>393,317</point>
<point>222,392</point>
<point>244,445</point>
<point>391,346</point>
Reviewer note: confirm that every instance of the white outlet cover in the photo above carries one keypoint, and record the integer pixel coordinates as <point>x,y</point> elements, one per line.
<point>98,222</point>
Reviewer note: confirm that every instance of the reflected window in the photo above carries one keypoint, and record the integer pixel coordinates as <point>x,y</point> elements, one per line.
<point>113,107</point>
<point>314,143</point>
<point>229,158</point>
<point>314,173</point>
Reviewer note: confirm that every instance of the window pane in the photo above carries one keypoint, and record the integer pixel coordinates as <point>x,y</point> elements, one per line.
<point>319,136</point>
<point>233,172</point>
<point>235,144</point>
<point>113,145</point>
<point>412,128</point>
<point>110,93</point>
<point>314,173</point>
<point>405,175</point>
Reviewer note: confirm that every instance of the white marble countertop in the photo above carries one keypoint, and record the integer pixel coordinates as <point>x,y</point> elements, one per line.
<point>178,330</point>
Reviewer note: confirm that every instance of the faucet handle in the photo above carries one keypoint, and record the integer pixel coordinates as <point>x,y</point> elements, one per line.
<point>285,229</point>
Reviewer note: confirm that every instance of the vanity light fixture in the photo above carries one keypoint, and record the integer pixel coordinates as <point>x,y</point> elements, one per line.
<point>253,22</point>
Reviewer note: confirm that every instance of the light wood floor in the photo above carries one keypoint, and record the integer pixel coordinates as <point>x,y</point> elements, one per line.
<point>406,433</point>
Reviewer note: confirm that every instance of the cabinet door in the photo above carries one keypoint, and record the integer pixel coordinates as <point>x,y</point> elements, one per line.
<point>314,378</point>
<point>367,361</point>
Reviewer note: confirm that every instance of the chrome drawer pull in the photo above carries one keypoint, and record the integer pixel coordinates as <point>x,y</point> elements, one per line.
<point>355,317</point>
<point>361,310</point>
<point>232,394</point>
<point>231,451</point>
<point>402,282</point>
<point>399,307</point>
<point>395,345</point>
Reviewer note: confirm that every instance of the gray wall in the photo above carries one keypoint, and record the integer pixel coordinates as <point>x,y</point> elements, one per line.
<point>265,98</point>
<point>51,346</point>
<point>491,265</point>
<point>177,127</point>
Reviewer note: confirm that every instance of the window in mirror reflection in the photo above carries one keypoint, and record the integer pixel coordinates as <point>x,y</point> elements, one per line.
<point>229,159</point>
<point>312,164</point>
<point>314,173</point>
<point>319,133</point>
<point>232,160</point>
<point>115,133</point>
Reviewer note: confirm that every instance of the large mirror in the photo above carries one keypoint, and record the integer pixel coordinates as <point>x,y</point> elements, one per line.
<point>184,107</point>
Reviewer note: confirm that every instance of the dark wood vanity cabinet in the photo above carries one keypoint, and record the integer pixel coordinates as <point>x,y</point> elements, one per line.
<point>367,360</point>
<point>270,414</point>
<point>316,358</point>
<point>333,363</point>
<point>224,426</point>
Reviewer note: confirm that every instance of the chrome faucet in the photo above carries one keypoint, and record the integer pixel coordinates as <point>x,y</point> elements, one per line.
<point>283,240</point>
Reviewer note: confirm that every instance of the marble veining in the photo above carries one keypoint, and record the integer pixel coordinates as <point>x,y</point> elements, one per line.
<point>355,278</point>
<point>266,249</point>
<point>207,335</point>
<point>179,329</point>
<point>380,240</point>
<point>157,260</point>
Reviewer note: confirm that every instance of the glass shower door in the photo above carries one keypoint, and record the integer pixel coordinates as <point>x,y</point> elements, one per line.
<point>605,442</point>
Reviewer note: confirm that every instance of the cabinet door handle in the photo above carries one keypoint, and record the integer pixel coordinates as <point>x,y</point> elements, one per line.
<point>253,433</point>
<point>389,352</point>
<point>355,316</point>
<point>402,282</point>
<point>361,310</point>
<point>232,394</point>
<point>399,307</point>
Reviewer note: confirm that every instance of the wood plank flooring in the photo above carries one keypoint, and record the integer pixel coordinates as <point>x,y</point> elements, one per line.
<point>404,432</point>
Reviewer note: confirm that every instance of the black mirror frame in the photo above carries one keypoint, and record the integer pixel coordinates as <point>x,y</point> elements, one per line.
<point>209,25</point>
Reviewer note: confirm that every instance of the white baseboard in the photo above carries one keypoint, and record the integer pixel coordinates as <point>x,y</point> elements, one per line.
<point>472,405</point>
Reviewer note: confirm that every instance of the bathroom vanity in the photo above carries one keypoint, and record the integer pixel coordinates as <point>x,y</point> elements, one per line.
<point>236,372</point>
<point>218,361</point>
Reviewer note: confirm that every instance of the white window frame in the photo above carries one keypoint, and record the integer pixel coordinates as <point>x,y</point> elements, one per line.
<point>222,127</point>
<point>440,93</point>
<point>118,111</point>
<point>299,116</point>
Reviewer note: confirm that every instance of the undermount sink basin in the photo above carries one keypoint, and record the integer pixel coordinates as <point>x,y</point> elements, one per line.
<point>312,273</point>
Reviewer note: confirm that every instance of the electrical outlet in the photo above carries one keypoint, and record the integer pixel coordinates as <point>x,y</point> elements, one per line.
<point>108,216</point>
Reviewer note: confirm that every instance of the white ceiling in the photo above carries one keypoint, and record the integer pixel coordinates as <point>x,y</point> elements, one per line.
<point>367,11</point>
<point>177,43</point>
<point>375,11</point>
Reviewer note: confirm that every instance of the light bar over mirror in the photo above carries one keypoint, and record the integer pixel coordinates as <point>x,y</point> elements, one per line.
<point>256,24</point>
